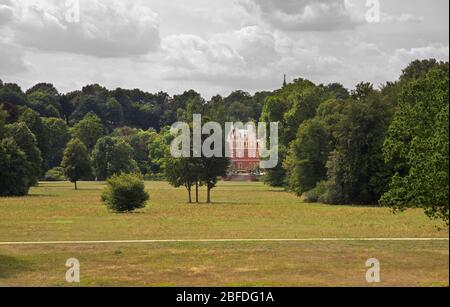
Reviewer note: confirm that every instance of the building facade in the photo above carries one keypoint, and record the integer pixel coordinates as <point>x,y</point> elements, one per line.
<point>245,157</point>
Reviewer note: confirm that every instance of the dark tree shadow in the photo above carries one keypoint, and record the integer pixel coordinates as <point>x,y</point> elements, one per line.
<point>10,266</point>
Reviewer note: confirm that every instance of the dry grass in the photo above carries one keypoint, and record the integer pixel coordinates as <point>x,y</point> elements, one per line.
<point>54,211</point>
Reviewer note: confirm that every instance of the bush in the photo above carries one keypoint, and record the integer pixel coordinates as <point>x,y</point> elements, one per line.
<point>317,194</point>
<point>55,174</point>
<point>125,193</point>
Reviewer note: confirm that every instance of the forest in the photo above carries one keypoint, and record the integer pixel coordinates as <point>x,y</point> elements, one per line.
<point>373,145</point>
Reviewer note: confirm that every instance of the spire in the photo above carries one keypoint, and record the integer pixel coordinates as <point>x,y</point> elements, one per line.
<point>284,83</point>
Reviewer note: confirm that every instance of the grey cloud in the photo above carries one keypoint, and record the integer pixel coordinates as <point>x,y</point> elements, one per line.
<point>6,12</point>
<point>107,28</point>
<point>306,15</point>
<point>11,60</point>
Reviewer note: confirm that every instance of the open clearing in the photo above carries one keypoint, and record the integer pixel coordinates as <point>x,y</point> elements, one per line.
<point>208,250</point>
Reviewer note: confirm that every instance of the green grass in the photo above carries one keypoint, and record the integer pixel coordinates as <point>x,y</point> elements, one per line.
<point>55,212</point>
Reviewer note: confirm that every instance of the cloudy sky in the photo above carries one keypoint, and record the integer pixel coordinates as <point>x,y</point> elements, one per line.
<point>216,46</point>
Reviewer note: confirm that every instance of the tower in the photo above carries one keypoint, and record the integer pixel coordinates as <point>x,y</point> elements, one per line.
<point>284,83</point>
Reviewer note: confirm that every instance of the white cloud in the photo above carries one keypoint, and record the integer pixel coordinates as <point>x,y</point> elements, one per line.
<point>403,55</point>
<point>107,28</point>
<point>251,55</point>
<point>405,17</point>
<point>215,46</point>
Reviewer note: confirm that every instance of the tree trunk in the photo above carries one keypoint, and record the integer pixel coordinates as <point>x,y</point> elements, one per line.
<point>190,195</point>
<point>208,195</point>
<point>76,186</point>
<point>196,193</point>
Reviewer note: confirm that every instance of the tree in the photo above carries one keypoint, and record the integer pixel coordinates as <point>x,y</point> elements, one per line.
<point>306,161</point>
<point>417,144</point>
<point>12,93</point>
<point>148,147</point>
<point>112,156</point>
<point>59,135</point>
<point>338,91</point>
<point>3,116</point>
<point>76,162</point>
<point>290,107</point>
<point>181,172</point>
<point>157,147</point>
<point>115,115</point>
<point>15,170</point>
<point>45,103</point>
<point>89,130</point>
<point>35,124</point>
<point>357,172</point>
<point>420,68</point>
<point>28,144</point>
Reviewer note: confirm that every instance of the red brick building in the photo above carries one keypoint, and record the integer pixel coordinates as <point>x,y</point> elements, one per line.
<point>245,152</point>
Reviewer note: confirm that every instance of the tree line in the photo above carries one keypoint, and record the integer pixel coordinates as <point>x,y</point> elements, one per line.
<point>386,145</point>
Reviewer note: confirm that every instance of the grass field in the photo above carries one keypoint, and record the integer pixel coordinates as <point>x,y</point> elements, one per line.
<point>55,212</point>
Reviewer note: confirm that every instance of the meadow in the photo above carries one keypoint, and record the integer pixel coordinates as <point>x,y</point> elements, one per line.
<point>56,212</point>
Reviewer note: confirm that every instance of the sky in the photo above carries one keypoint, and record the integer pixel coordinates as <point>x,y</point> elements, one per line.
<point>216,46</point>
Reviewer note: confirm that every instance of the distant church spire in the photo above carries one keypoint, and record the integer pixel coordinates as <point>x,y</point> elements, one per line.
<point>284,83</point>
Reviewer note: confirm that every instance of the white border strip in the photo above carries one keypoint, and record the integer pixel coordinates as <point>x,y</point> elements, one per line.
<point>223,241</point>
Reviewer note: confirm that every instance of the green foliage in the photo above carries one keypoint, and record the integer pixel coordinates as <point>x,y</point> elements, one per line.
<point>55,174</point>
<point>338,91</point>
<point>417,145</point>
<point>306,161</point>
<point>157,146</point>
<point>112,156</point>
<point>28,144</point>
<point>76,163</point>
<point>194,105</point>
<point>58,136</point>
<point>148,147</point>
<point>115,114</point>
<point>356,170</point>
<point>336,153</point>
<point>125,193</point>
<point>3,116</point>
<point>35,124</point>
<point>362,91</point>
<point>89,130</point>
<point>12,94</point>
<point>290,107</point>
<point>45,103</point>
<point>317,194</point>
<point>420,68</point>
<point>15,170</point>
<point>181,172</point>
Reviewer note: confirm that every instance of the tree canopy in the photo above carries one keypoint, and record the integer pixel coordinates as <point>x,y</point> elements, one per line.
<point>417,145</point>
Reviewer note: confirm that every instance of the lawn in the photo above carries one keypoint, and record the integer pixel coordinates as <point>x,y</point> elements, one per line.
<point>55,212</point>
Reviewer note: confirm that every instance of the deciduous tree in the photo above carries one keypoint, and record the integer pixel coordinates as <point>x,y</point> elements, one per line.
<point>418,146</point>
<point>76,162</point>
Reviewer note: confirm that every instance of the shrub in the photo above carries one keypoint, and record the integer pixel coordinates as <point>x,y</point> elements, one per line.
<point>317,194</point>
<point>55,174</point>
<point>125,193</point>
